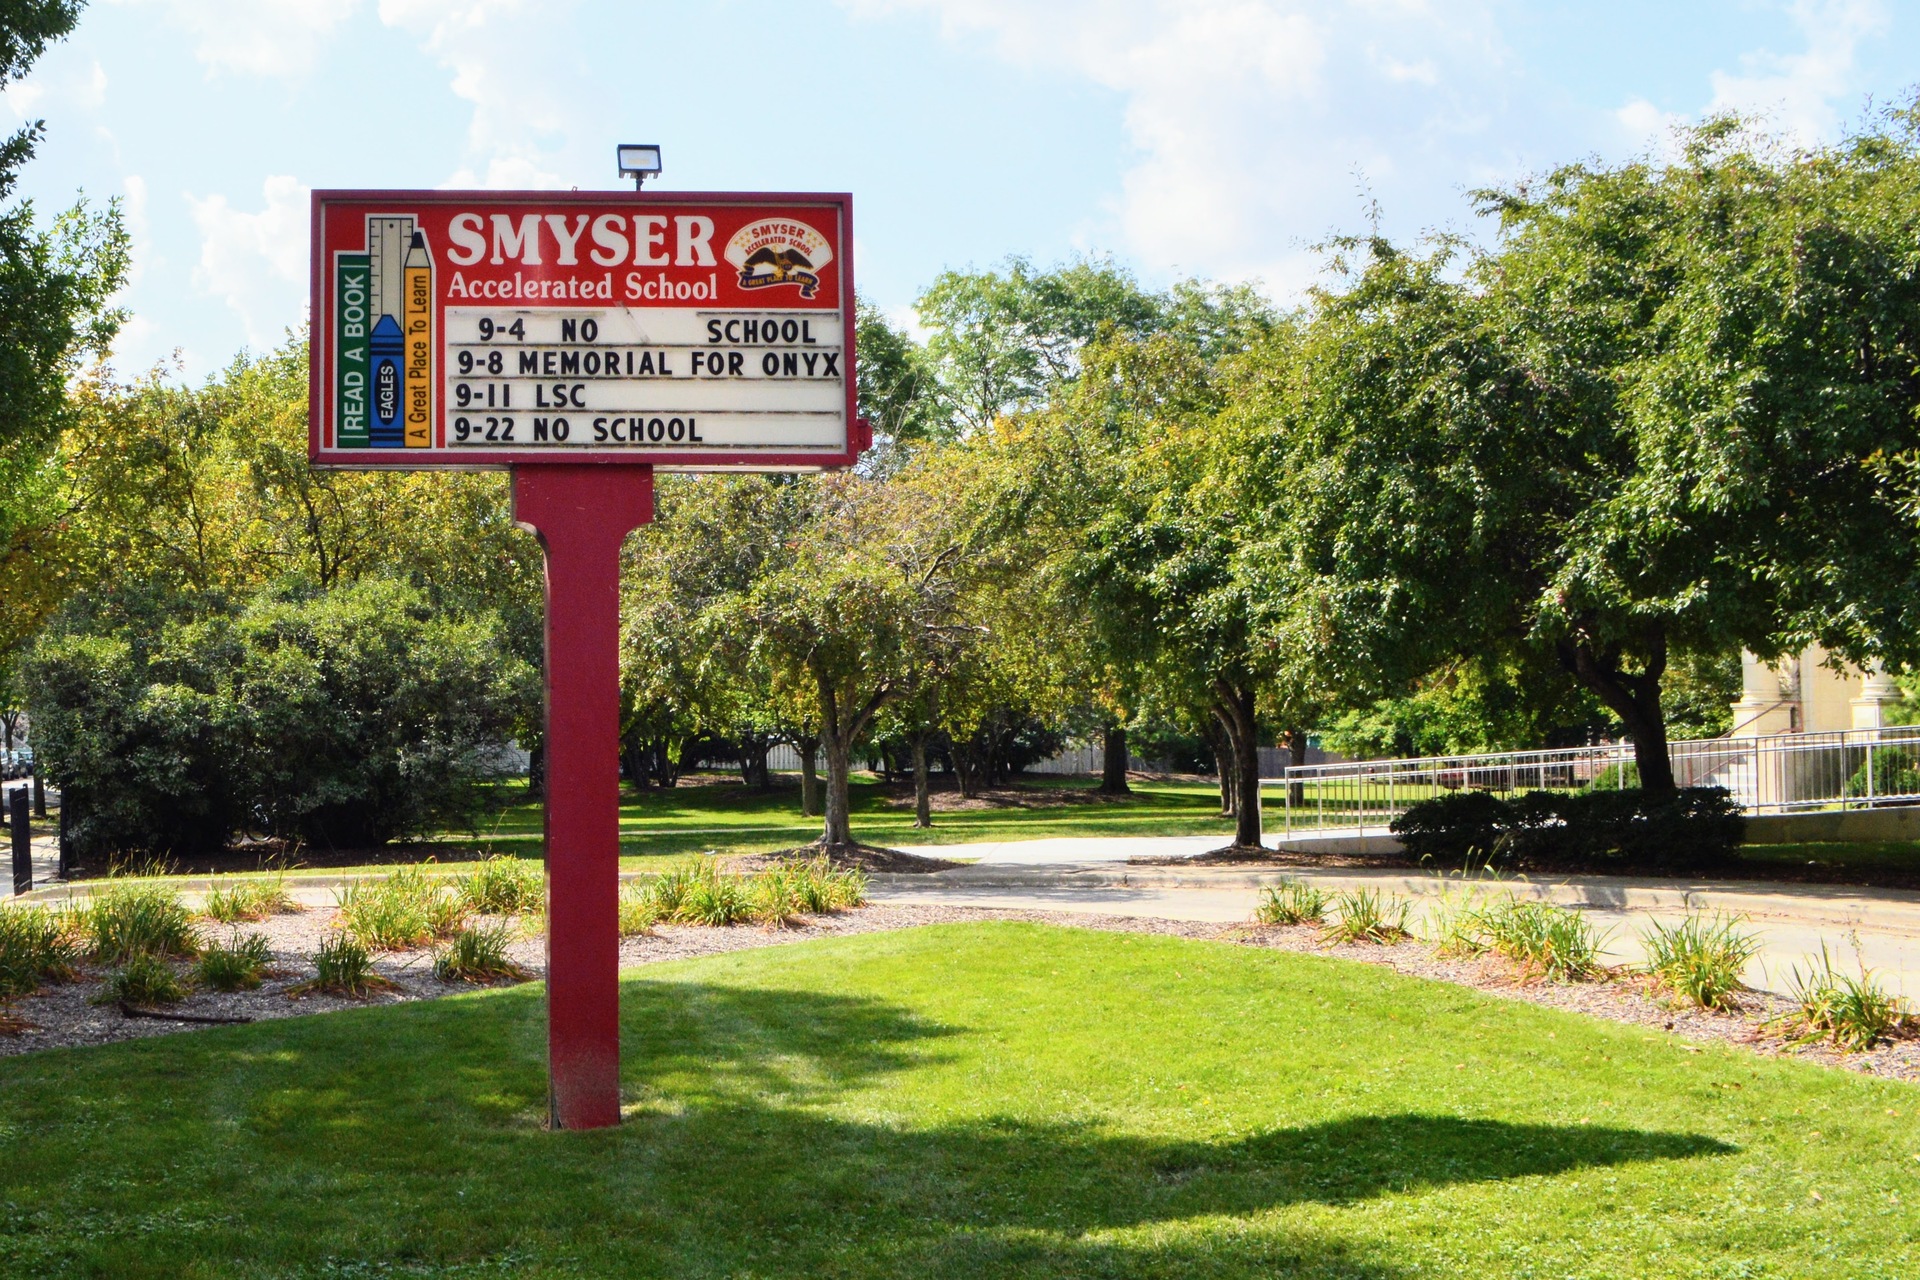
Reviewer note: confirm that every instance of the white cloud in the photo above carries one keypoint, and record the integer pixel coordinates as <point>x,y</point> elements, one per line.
<point>1800,92</point>
<point>23,97</point>
<point>258,37</point>
<point>520,121</point>
<point>1258,122</point>
<point>255,262</point>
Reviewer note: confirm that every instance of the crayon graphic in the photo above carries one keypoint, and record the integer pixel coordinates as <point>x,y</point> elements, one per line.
<point>418,327</point>
<point>388,237</point>
<point>388,349</point>
<point>351,301</point>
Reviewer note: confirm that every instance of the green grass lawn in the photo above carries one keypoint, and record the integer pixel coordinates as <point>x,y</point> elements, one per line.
<point>729,819</point>
<point>971,1101</point>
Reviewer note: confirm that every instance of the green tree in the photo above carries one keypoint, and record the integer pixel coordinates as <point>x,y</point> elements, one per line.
<point>56,290</point>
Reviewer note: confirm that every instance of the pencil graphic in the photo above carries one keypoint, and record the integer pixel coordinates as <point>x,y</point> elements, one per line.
<point>418,327</point>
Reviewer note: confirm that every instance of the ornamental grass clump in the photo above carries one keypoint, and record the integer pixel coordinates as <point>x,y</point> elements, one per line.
<point>343,967</point>
<point>1291,902</point>
<point>126,920</point>
<point>717,900</point>
<point>249,901</point>
<point>1853,1012</point>
<point>404,910</point>
<point>774,896</point>
<point>144,979</point>
<point>238,964</point>
<point>1699,960</point>
<point>1365,915</point>
<point>1456,926</point>
<point>638,911</point>
<point>1543,940</point>
<point>669,889</point>
<point>36,947</point>
<point>504,886</point>
<point>478,954</point>
<point>846,889</point>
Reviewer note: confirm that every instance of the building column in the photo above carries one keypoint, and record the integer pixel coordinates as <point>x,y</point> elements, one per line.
<point>1765,707</point>
<point>1877,693</point>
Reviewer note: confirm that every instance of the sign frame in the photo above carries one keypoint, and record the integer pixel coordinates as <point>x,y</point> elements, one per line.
<point>858,434</point>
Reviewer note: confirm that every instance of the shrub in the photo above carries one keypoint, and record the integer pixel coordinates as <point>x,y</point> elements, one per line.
<point>1700,959</point>
<point>124,920</point>
<point>1291,902</point>
<point>246,901</point>
<point>1451,828</point>
<point>1690,829</point>
<point>1365,915</point>
<point>503,886</point>
<point>34,948</point>
<point>1852,1012</point>
<point>477,955</point>
<point>1895,773</point>
<point>1543,940</point>
<point>346,717</point>
<point>144,979</point>
<point>237,964</point>
<point>406,909</point>
<point>343,967</point>
<point>1616,777</point>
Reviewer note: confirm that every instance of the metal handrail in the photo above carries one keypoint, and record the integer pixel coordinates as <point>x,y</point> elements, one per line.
<point>1771,773</point>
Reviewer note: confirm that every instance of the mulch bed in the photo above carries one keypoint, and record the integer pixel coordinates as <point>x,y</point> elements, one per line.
<point>63,1015</point>
<point>861,857</point>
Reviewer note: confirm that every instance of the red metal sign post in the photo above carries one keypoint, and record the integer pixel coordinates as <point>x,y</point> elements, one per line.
<point>582,340</point>
<point>582,514</point>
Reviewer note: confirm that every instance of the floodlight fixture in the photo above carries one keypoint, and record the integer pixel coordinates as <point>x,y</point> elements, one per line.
<point>638,161</point>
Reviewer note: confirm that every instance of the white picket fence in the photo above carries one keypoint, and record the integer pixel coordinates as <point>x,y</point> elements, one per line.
<point>1777,773</point>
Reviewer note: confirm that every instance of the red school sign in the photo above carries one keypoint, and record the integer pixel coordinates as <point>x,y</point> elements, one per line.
<point>687,332</point>
<point>582,340</point>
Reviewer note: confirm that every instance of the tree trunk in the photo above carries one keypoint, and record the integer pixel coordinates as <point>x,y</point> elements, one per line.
<point>1236,705</point>
<point>922,793</point>
<point>1113,773</point>
<point>809,751</point>
<point>537,772</point>
<point>966,771</point>
<point>1222,747</point>
<point>1296,758</point>
<point>634,762</point>
<point>837,829</point>
<point>39,795</point>
<point>753,764</point>
<point>1635,698</point>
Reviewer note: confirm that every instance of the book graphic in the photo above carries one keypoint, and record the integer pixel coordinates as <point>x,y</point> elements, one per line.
<point>383,303</point>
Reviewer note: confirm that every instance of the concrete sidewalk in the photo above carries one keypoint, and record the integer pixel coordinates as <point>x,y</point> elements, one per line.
<point>1880,928</point>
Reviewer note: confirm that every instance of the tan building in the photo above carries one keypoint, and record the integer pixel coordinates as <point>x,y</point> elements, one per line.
<point>1805,695</point>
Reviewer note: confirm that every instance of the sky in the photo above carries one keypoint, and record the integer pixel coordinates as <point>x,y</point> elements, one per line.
<point>1223,139</point>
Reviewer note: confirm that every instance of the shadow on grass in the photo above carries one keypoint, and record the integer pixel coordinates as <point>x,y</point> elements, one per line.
<point>408,1137</point>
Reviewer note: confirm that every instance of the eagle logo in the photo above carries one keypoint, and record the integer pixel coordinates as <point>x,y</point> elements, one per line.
<point>776,251</point>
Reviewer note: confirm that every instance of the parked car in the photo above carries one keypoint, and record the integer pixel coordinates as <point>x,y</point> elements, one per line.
<point>17,763</point>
